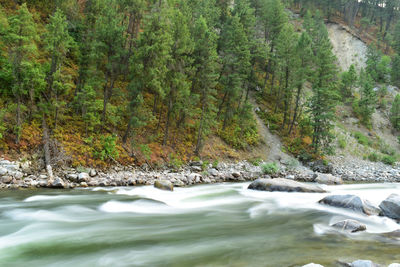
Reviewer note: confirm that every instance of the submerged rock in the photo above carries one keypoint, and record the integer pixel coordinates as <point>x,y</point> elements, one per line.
<point>391,207</point>
<point>284,185</point>
<point>350,202</point>
<point>363,263</point>
<point>164,185</point>
<point>350,225</point>
<point>392,235</point>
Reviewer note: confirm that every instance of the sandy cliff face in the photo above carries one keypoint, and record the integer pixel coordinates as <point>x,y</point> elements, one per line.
<point>347,48</point>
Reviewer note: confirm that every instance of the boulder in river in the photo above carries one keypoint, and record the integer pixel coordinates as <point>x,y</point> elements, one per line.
<point>329,179</point>
<point>363,263</point>
<point>313,265</point>
<point>391,207</point>
<point>394,265</point>
<point>350,202</point>
<point>57,183</point>
<point>284,185</point>
<point>350,225</point>
<point>164,185</point>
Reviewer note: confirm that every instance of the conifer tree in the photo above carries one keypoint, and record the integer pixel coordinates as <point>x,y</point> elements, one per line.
<point>206,74</point>
<point>303,70</point>
<point>285,51</point>
<point>395,112</point>
<point>110,48</point>
<point>235,56</point>
<point>348,82</point>
<point>178,83</point>
<point>22,51</point>
<point>368,100</point>
<point>324,99</point>
<point>58,42</point>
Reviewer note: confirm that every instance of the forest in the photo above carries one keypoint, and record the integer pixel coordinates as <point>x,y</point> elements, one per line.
<point>96,82</point>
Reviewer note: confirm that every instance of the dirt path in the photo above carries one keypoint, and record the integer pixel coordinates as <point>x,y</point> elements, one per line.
<point>272,141</point>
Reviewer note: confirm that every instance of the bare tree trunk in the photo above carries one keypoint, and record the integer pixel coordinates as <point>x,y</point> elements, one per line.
<point>168,120</point>
<point>295,109</point>
<point>46,148</point>
<point>200,132</point>
<point>18,119</point>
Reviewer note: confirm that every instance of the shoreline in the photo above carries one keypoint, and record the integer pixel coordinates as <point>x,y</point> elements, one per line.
<point>15,175</point>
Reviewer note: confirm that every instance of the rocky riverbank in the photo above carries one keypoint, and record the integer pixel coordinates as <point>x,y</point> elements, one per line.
<point>15,174</point>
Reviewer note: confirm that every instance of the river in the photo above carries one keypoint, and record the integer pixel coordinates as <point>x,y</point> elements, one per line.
<point>203,225</point>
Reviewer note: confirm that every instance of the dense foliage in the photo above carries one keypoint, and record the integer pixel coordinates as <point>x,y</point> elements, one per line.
<point>140,80</point>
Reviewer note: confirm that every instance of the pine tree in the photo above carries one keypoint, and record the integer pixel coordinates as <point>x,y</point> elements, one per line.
<point>110,48</point>
<point>235,55</point>
<point>348,82</point>
<point>324,99</point>
<point>368,100</point>
<point>178,84</point>
<point>58,42</point>
<point>21,43</point>
<point>153,54</point>
<point>303,70</point>
<point>205,78</point>
<point>285,51</point>
<point>395,112</point>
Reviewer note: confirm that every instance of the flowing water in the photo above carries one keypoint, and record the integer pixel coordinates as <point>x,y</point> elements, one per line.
<point>205,225</point>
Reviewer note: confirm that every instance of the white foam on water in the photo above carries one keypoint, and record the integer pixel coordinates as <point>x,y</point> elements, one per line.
<point>47,198</point>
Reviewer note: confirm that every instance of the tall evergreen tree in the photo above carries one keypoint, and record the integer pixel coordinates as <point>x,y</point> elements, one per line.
<point>178,83</point>
<point>205,78</point>
<point>368,99</point>
<point>58,42</point>
<point>110,47</point>
<point>324,99</point>
<point>235,56</point>
<point>22,51</point>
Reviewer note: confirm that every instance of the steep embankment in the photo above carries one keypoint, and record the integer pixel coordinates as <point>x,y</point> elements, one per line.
<point>347,48</point>
<point>354,141</point>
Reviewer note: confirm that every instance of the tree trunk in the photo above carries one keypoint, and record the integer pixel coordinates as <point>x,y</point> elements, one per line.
<point>168,120</point>
<point>128,129</point>
<point>18,119</point>
<point>200,132</point>
<point>46,147</point>
<point>299,87</point>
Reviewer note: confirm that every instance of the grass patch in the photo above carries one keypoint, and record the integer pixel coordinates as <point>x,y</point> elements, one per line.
<point>269,168</point>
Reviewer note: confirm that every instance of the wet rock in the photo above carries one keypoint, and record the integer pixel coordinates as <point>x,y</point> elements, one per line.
<point>213,172</point>
<point>391,207</point>
<point>196,168</point>
<point>350,225</point>
<point>57,183</point>
<point>164,185</point>
<point>196,163</point>
<point>350,202</point>
<point>363,263</point>
<point>236,174</point>
<point>323,178</point>
<point>179,183</point>
<point>6,179</point>
<point>92,173</point>
<point>285,185</point>
<point>72,177</point>
<point>83,177</point>
<point>3,171</point>
<point>321,166</point>
<point>394,265</point>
